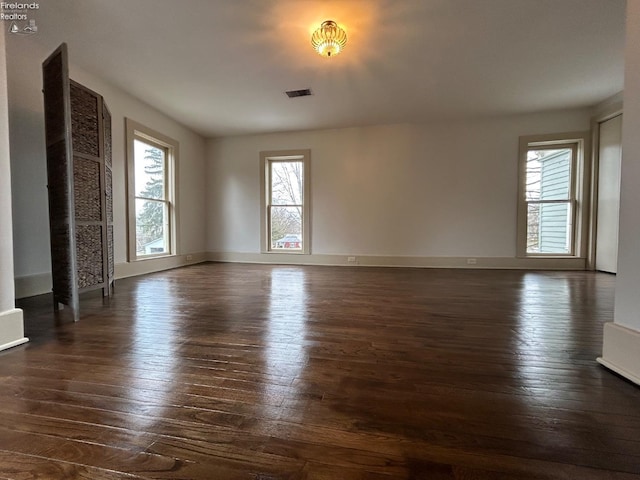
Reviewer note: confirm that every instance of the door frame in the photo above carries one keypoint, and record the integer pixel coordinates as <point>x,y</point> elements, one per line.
<point>611,111</point>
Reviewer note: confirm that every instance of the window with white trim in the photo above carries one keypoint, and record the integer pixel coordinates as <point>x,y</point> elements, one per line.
<point>285,201</point>
<point>151,166</point>
<point>551,213</point>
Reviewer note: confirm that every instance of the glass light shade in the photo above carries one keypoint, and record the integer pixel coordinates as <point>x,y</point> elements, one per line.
<point>329,39</point>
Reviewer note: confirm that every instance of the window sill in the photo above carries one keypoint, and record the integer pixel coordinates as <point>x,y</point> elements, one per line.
<point>553,257</point>
<point>283,252</point>
<point>152,257</point>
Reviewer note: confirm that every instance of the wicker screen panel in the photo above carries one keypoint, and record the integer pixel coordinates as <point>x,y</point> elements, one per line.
<point>109,194</point>
<point>89,255</point>
<point>110,250</point>
<point>59,217</point>
<point>84,121</point>
<point>86,189</point>
<point>107,136</point>
<point>54,83</point>
<point>59,211</point>
<point>79,135</point>
<point>57,168</point>
<point>61,269</point>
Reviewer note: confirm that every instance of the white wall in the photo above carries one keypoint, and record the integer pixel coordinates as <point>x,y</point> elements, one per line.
<point>433,190</point>
<point>621,348</point>
<point>6,240</point>
<point>32,257</point>
<point>628,283</point>
<point>11,323</point>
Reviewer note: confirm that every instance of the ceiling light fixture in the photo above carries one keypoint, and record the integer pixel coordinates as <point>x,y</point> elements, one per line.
<point>329,39</point>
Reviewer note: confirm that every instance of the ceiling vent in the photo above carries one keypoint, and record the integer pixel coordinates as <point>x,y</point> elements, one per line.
<point>298,93</point>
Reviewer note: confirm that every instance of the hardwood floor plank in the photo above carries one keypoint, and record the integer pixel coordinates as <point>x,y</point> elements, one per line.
<point>17,466</point>
<point>82,453</point>
<point>262,372</point>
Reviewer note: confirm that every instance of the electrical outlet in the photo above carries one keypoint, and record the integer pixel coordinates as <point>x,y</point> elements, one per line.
<point>189,258</point>
<point>472,261</point>
<point>351,259</point>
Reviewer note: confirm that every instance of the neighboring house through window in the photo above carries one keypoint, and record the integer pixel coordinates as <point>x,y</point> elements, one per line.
<point>285,201</point>
<point>551,206</point>
<point>151,167</point>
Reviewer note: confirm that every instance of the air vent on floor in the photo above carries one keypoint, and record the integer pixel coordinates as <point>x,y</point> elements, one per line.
<point>298,93</point>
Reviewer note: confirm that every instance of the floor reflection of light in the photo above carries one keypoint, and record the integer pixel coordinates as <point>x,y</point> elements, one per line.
<point>153,348</point>
<point>545,332</point>
<point>550,342</point>
<point>284,342</point>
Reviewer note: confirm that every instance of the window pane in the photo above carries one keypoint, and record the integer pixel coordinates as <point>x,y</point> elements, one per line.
<point>286,228</point>
<point>548,174</point>
<point>151,227</point>
<point>549,228</point>
<point>149,170</point>
<point>286,183</point>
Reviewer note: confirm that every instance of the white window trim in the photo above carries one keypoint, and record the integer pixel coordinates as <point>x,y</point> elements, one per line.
<point>283,155</point>
<point>580,190</point>
<point>137,131</point>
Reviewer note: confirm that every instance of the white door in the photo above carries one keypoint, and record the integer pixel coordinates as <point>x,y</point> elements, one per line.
<point>610,156</point>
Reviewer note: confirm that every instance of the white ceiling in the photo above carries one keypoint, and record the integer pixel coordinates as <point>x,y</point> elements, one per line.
<point>221,66</point>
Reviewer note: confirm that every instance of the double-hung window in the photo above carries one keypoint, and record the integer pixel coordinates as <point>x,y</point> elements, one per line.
<point>151,192</point>
<point>285,201</point>
<point>551,206</point>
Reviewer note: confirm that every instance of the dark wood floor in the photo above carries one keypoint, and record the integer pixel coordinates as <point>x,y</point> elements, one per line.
<point>222,371</point>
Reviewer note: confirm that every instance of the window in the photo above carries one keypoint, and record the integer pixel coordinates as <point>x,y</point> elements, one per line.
<point>551,196</point>
<point>285,201</point>
<point>151,162</point>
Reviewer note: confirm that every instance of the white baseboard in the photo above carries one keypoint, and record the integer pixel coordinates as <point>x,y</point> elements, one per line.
<point>39,284</point>
<point>11,329</point>
<point>621,351</point>
<point>31,285</point>
<point>141,267</point>
<point>402,261</point>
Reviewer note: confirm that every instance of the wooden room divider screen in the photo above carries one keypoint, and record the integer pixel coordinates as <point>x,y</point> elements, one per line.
<point>79,163</point>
